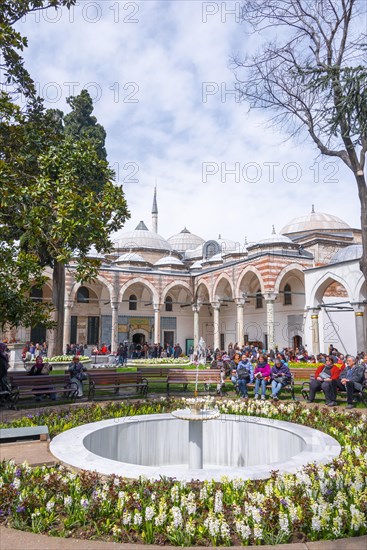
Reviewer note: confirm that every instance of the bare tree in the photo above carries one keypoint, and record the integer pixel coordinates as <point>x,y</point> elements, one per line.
<point>311,74</point>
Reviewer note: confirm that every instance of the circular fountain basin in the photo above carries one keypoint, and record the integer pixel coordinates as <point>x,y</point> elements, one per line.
<point>156,445</point>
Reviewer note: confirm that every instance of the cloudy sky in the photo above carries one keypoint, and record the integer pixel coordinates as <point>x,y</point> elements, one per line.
<point>159,72</point>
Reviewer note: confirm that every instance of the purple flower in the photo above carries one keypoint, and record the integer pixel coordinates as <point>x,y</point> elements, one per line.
<point>20,509</point>
<point>2,513</point>
<point>18,472</point>
<point>284,502</point>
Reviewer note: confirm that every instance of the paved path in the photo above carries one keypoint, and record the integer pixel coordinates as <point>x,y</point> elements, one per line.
<point>10,539</point>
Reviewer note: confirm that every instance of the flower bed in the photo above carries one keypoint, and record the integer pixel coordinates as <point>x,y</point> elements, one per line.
<point>161,361</point>
<point>319,502</point>
<point>67,358</point>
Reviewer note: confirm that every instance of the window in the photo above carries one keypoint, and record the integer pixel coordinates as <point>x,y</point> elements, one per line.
<point>36,294</point>
<point>287,295</point>
<point>82,296</point>
<point>133,302</point>
<point>259,300</point>
<point>169,304</point>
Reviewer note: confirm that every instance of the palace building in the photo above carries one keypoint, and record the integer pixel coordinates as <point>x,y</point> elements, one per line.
<point>299,286</point>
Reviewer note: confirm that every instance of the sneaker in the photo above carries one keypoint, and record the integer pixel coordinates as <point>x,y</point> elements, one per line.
<point>331,404</point>
<point>275,398</point>
<point>263,398</point>
<point>245,396</point>
<point>257,396</point>
<point>350,406</point>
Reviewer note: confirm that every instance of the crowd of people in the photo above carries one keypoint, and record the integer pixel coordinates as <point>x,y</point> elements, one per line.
<point>251,366</point>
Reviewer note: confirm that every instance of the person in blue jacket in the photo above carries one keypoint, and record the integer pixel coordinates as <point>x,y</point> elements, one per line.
<point>245,375</point>
<point>280,376</point>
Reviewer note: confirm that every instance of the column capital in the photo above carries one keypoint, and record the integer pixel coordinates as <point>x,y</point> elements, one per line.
<point>115,305</point>
<point>215,305</point>
<point>196,308</point>
<point>156,307</point>
<point>68,303</point>
<point>359,308</point>
<point>240,302</point>
<point>270,296</point>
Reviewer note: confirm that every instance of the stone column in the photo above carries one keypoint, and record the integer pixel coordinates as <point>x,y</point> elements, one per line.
<point>157,323</point>
<point>359,309</point>
<point>196,309</point>
<point>216,322</point>
<point>315,330</point>
<point>115,327</point>
<point>270,319</point>
<point>239,326</point>
<point>67,324</point>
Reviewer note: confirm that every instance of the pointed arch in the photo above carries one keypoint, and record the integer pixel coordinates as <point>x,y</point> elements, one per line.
<point>71,296</point>
<point>222,277</point>
<point>322,284</point>
<point>249,269</point>
<point>291,267</point>
<point>142,281</point>
<point>173,284</point>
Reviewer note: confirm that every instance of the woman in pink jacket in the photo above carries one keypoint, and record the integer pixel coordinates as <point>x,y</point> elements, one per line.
<point>262,376</point>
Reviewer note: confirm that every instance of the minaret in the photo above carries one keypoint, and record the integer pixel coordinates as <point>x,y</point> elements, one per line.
<point>155,212</point>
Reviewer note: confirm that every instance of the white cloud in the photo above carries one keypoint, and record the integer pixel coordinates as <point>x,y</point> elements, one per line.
<point>163,60</point>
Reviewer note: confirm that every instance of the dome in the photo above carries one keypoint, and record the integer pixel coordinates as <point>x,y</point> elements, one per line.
<point>169,261</point>
<point>95,255</point>
<point>185,241</point>
<point>197,265</point>
<point>226,245</point>
<point>194,253</point>
<point>214,259</point>
<point>315,221</point>
<point>275,238</point>
<point>352,252</point>
<point>130,257</point>
<point>140,238</point>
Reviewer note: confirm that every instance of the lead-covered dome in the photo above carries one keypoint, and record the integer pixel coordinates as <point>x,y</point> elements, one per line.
<point>352,252</point>
<point>185,240</point>
<point>141,238</point>
<point>316,221</point>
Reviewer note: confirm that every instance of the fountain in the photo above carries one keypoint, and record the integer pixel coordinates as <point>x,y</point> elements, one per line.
<point>199,410</point>
<point>171,445</point>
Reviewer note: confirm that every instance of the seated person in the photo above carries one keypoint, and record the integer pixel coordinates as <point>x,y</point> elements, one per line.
<point>244,375</point>
<point>262,376</point>
<point>280,376</point>
<point>350,380</point>
<point>41,369</point>
<point>77,374</point>
<point>325,375</point>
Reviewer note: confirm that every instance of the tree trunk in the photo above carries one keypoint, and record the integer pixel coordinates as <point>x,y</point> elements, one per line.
<point>58,298</point>
<point>362,192</point>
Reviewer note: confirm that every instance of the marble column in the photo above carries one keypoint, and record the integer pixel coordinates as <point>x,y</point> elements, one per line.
<point>315,330</point>
<point>270,319</point>
<point>67,324</point>
<point>115,327</point>
<point>196,309</point>
<point>216,323</point>
<point>157,323</point>
<point>240,303</point>
<point>359,309</point>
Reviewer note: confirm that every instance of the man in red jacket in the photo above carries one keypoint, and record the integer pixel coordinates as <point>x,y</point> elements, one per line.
<point>324,376</point>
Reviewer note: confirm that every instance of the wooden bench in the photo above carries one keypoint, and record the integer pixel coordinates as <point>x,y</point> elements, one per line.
<point>156,375</point>
<point>185,377</point>
<point>11,435</point>
<point>360,396</point>
<point>37,386</point>
<point>114,381</point>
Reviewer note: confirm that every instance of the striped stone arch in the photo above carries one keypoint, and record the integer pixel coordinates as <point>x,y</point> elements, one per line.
<point>322,284</point>
<point>141,280</point>
<point>361,289</point>
<point>172,285</point>
<point>222,277</point>
<point>255,271</point>
<point>205,284</point>
<point>285,270</point>
<point>74,289</point>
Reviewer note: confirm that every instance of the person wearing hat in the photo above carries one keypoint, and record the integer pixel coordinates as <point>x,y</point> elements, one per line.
<point>280,376</point>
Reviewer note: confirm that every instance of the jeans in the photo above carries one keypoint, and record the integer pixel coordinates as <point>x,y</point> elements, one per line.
<point>258,382</point>
<point>276,387</point>
<point>242,386</point>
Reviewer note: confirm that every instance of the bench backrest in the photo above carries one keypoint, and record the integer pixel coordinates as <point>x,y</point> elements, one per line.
<point>190,376</point>
<point>115,377</point>
<point>38,381</point>
<point>156,372</point>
